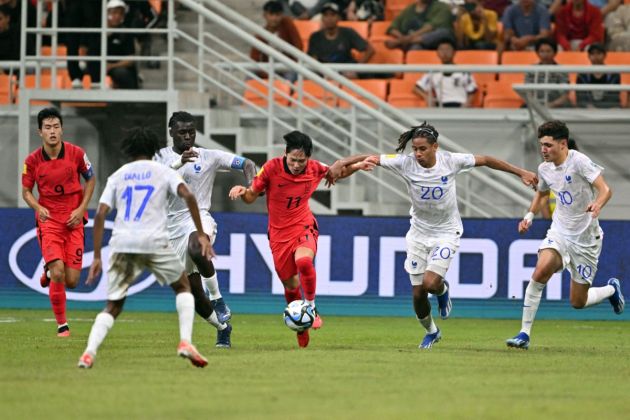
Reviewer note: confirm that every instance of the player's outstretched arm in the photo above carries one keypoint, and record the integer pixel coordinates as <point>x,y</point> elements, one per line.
<point>247,194</point>
<point>249,170</point>
<point>99,227</point>
<point>336,169</point>
<point>537,203</point>
<point>366,164</point>
<point>29,198</point>
<point>529,178</point>
<point>206,247</point>
<point>603,195</point>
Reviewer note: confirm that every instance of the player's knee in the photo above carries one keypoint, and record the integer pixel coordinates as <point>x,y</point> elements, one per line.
<point>305,266</point>
<point>57,274</point>
<point>71,283</point>
<point>578,302</point>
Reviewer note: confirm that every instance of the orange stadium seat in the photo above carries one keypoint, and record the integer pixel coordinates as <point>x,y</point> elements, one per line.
<point>317,91</point>
<point>62,51</point>
<point>572,58</point>
<point>362,28</point>
<point>377,87</point>
<point>619,58</point>
<point>257,92</point>
<point>384,55</point>
<point>44,83</point>
<point>305,28</point>
<point>501,95</point>
<point>7,89</point>
<point>516,58</point>
<point>420,57</point>
<point>378,31</point>
<point>487,57</point>
<point>401,94</point>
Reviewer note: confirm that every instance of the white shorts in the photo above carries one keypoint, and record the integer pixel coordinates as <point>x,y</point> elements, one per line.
<point>180,244</point>
<point>428,254</point>
<point>581,260</point>
<point>124,268</point>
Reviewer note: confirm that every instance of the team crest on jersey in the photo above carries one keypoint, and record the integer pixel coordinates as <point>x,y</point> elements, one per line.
<point>568,179</point>
<point>444,179</point>
<point>197,168</point>
<point>24,170</point>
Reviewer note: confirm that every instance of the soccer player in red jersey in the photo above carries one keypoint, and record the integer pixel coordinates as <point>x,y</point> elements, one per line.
<point>289,181</point>
<point>60,210</point>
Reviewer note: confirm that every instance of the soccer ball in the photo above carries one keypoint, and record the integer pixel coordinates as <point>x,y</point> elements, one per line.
<point>299,315</point>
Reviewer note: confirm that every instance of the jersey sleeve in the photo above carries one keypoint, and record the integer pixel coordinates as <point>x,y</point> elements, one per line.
<point>542,184</point>
<point>28,173</point>
<point>261,180</point>
<point>393,162</point>
<point>174,180</point>
<point>463,162</point>
<point>322,170</point>
<point>84,165</point>
<point>108,197</point>
<point>225,160</point>
<point>589,169</point>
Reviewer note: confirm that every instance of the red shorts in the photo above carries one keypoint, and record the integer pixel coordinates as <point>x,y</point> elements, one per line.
<point>284,252</point>
<point>58,242</point>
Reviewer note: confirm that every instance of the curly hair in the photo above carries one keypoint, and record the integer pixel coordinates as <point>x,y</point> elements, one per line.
<point>140,142</point>
<point>423,130</point>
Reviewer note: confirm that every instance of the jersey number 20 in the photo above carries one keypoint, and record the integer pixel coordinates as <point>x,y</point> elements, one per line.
<point>128,196</point>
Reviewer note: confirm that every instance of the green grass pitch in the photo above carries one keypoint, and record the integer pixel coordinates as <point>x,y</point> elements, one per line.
<point>354,368</point>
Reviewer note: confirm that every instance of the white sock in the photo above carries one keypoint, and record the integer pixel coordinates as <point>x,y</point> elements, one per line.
<point>214,321</point>
<point>533,293</point>
<point>185,304</point>
<point>212,283</point>
<point>310,302</point>
<point>597,294</point>
<point>102,324</point>
<point>428,324</point>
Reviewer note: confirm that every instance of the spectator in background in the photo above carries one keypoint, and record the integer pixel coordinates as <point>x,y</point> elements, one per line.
<point>450,90</point>
<point>9,37</point>
<point>546,50</point>
<point>284,28</point>
<point>477,27</point>
<point>524,23</point>
<point>366,10</point>
<point>498,6</point>
<point>308,9</point>
<point>421,25</point>
<point>14,8</point>
<point>334,44</point>
<point>606,6</point>
<point>598,98</point>
<point>578,24</point>
<point>618,28</point>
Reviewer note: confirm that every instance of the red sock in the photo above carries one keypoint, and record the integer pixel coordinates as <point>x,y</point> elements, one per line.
<point>292,294</point>
<point>308,277</point>
<point>57,295</point>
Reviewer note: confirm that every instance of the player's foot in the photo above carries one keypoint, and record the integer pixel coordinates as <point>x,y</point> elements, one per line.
<point>44,281</point>
<point>223,337</point>
<point>187,350</point>
<point>616,300</point>
<point>63,331</point>
<point>223,311</point>
<point>430,339</point>
<point>444,302</point>
<point>303,338</point>
<point>318,322</point>
<point>86,361</point>
<point>521,341</point>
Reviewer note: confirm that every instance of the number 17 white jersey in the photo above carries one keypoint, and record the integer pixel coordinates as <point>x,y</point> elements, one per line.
<point>140,191</point>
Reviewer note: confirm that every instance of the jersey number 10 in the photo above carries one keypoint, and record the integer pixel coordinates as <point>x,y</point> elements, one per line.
<point>128,197</point>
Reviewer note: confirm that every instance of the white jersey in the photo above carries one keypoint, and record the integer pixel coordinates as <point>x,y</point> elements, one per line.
<point>433,195</point>
<point>199,176</point>
<point>140,190</point>
<point>571,182</point>
<point>448,87</point>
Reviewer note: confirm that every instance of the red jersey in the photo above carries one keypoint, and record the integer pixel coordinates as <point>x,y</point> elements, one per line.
<point>58,184</point>
<point>288,195</point>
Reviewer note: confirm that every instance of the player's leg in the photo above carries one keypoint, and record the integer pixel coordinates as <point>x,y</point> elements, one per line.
<point>57,296</point>
<point>435,284</point>
<point>208,273</point>
<point>304,255</point>
<point>102,324</point>
<point>185,304</point>
<point>441,253</point>
<point>205,309</point>
<point>422,308</point>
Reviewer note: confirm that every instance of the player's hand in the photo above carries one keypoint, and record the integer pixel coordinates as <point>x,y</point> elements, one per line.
<point>595,209</point>
<point>189,155</point>
<point>530,179</point>
<point>366,165</point>
<point>237,191</point>
<point>43,214</point>
<point>206,247</point>
<point>524,225</point>
<point>95,271</point>
<point>76,217</point>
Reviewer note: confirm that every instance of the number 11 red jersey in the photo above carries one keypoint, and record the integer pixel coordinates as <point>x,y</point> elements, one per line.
<point>288,195</point>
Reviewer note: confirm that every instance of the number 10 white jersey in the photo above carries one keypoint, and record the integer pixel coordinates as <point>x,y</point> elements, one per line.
<point>140,191</point>
<point>434,211</point>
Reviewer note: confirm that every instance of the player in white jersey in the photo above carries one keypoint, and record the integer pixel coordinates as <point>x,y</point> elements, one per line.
<point>198,167</point>
<point>436,225</point>
<point>574,239</point>
<point>139,190</point>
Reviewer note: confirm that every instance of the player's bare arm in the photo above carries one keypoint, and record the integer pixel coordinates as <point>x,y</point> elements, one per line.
<point>539,199</point>
<point>99,228</point>
<point>204,242</point>
<point>29,198</point>
<point>335,170</point>
<point>603,195</point>
<point>247,194</point>
<point>76,217</point>
<point>529,178</point>
<point>346,171</point>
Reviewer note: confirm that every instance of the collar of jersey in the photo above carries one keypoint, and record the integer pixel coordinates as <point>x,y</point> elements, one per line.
<point>59,156</point>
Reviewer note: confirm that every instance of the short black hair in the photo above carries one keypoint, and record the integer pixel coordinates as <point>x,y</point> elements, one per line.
<point>596,46</point>
<point>424,130</point>
<point>140,142</point>
<point>273,6</point>
<point>572,144</point>
<point>47,113</point>
<point>296,140</point>
<point>448,40</point>
<point>555,129</point>
<point>546,41</point>
<point>180,116</point>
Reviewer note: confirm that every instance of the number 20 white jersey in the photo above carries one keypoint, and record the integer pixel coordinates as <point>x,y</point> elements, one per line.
<point>433,194</point>
<point>571,182</point>
<point>140,191</point>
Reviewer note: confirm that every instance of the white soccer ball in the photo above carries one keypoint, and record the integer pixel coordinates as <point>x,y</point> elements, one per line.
<point>299,315</point>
